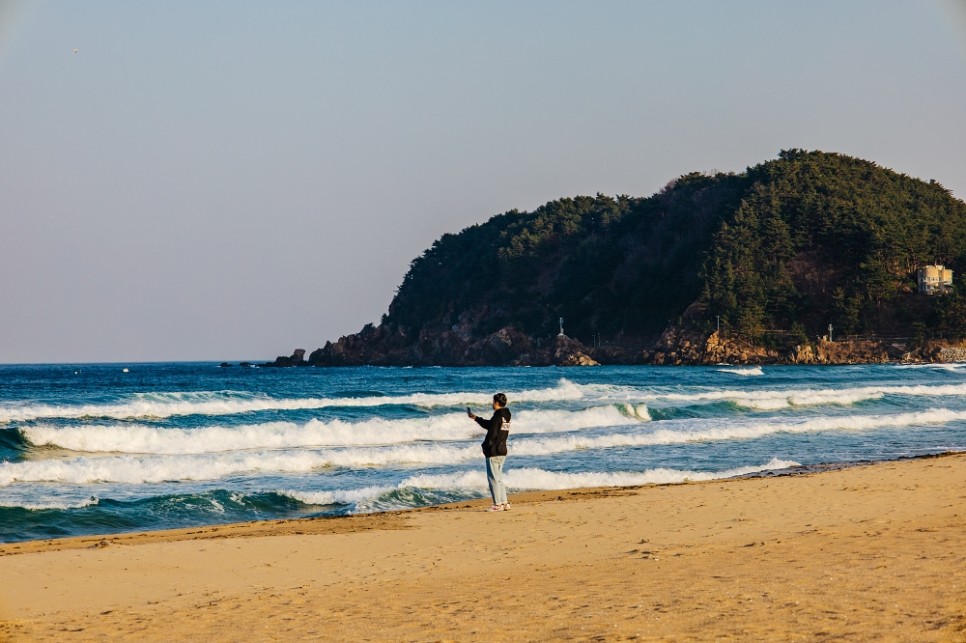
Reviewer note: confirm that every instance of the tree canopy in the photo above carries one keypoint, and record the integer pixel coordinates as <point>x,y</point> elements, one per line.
<point>792,244</point>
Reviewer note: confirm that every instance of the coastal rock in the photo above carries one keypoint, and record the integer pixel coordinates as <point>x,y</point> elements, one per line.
<point>803,354</point>
<point>952,354</point>
<point>851,352</point>
<point>297,358</point>
<point>845,352</point>
<point>370,346</point>
<point>938,352</point>
<point>578,359</point>
<point>570,352</point>
<point>454,346</point>
<point>677,346</point>
<point>503,347</point>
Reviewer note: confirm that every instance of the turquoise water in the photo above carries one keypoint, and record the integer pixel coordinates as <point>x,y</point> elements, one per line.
<point>93,449</point>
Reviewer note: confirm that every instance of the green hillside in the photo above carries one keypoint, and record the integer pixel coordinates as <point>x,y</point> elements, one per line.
<point>825,238</point>
<point>782,249</point>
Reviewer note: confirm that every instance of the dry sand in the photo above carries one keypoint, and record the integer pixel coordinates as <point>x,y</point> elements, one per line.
<point>868,553</point>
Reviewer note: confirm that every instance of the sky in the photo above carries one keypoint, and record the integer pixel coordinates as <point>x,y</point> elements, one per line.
<point>227,180</point>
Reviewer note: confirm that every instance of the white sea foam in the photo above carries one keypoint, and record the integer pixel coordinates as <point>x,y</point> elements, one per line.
<point>271,435</point>
<point>539,479</point>
<point>338,496</point>
<point>161,405</point>
<point>752,430</point>
<point>943,366</point>
<point>130,469</point>
<point>956,367</point>
<point>40,504</point>
<point>276,435</point>
<point>151,469</point>
<point>683,433</point>
<point>473,483</point>
<point>779,399</point>
<point>745,371</point>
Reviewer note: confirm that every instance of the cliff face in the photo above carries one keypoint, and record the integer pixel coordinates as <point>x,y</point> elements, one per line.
<point>508,347</point>
<point>505,347</point>
<point>772,255</point>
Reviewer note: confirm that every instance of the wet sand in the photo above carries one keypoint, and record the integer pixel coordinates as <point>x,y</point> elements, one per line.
<point>874,552</point>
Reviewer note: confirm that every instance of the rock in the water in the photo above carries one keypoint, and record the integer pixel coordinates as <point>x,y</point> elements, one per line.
<point>297,358</point>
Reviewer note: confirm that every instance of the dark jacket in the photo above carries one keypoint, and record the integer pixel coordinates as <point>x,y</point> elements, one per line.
<point>497,430</point>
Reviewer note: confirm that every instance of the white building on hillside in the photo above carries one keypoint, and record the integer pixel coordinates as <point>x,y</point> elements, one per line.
<point>935,279</point>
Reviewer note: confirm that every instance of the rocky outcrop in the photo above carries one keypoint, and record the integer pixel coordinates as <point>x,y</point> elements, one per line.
<point>719,349</point>
<point>680,347</point>
<point>297,358</point>
<point>677,347</point>
<point>847,352</point>
<point>570,352</point>
<point>450,347</point>
<point>938,352</point>
<point>508,346</point>
<point>951,354</point>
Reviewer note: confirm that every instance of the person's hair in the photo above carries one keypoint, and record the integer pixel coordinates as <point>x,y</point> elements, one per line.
<point>500,399</point>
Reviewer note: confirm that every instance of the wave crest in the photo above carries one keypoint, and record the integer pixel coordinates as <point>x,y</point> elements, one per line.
<point>316,433</point>
<point>163,405</point>
<point>160,468</point>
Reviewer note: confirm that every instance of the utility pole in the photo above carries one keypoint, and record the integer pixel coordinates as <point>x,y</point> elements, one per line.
<point>718,317</point>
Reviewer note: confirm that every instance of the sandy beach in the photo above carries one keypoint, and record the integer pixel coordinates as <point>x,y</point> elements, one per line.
<point>874,552</point>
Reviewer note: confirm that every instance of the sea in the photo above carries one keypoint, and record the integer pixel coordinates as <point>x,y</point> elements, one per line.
<point>110,448</point>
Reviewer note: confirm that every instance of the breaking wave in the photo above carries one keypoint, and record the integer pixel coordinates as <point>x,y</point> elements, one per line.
<point>131,469</point>
<point>315,433</point>
<point>776,400</point>
<point>48,504</point>
<point>745,371</point>
<point>539,479</point>
<point>162,405</point>
<point>227,403</point>
<point>82,452</point>
<point>473,484</point>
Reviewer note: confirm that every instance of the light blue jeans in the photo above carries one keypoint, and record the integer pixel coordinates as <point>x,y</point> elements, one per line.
<point>494,475</point>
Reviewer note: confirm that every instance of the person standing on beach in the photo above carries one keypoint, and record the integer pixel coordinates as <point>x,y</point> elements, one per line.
<point>494,449</point>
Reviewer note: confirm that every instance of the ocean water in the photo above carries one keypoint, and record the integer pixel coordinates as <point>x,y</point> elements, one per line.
<point>100,449</point>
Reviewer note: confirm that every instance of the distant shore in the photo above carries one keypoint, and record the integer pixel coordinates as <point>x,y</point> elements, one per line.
<point>851,554</point>
<point>673,348</point>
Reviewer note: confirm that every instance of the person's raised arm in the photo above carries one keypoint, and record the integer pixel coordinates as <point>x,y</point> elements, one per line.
<point>492,424</point>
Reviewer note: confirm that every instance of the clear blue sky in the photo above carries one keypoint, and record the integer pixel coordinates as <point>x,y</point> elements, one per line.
<point>230,180</point>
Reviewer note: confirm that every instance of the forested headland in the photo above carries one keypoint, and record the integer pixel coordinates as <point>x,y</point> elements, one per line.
<point>742,267</point>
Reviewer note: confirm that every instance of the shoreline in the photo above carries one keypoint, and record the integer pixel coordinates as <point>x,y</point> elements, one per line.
<point>869,551</point>
<point>359,522</point>
<point>260,364</point>
<point>678,346</point>
<point>680,363</point>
